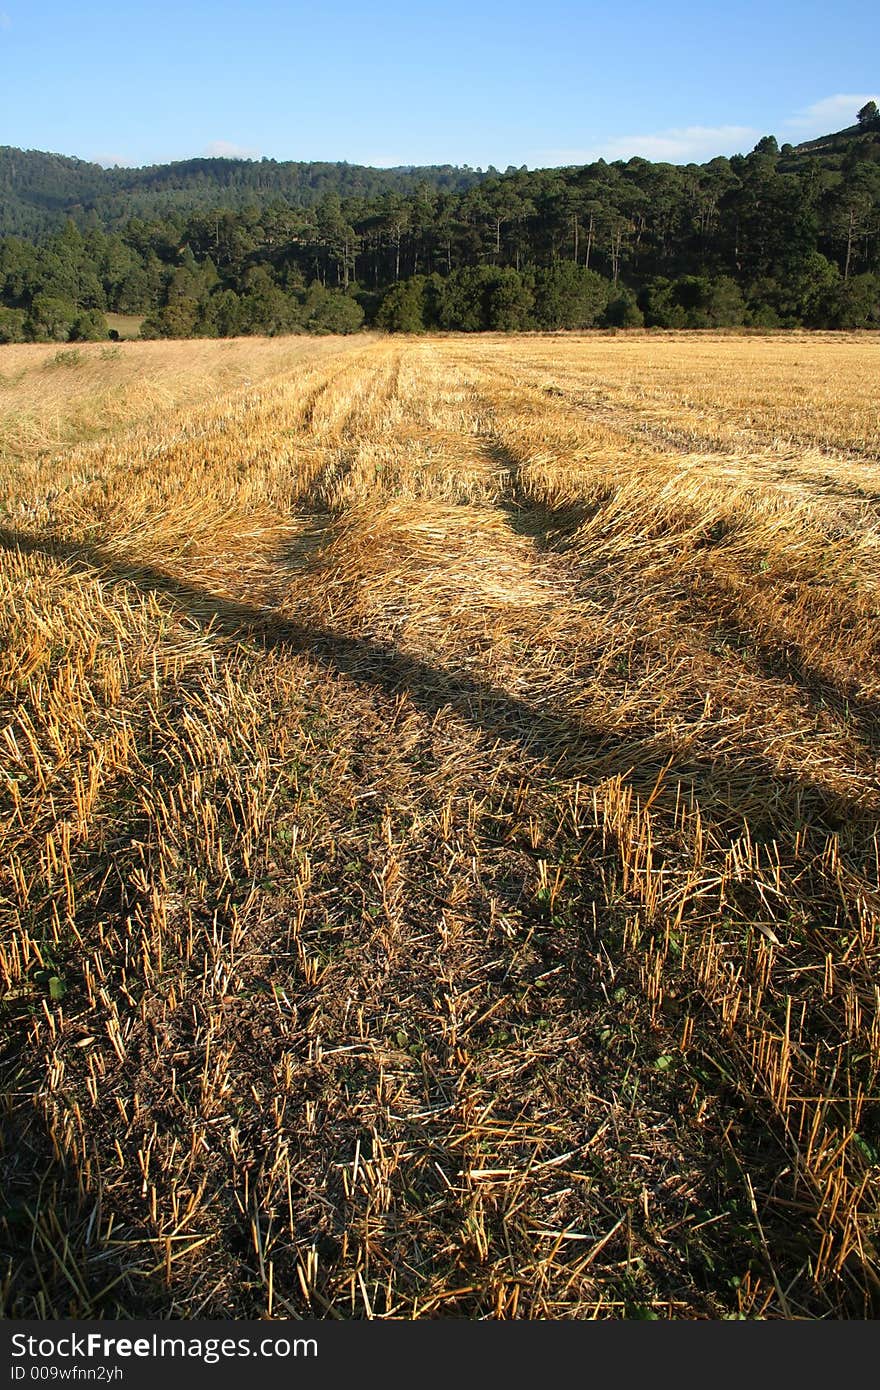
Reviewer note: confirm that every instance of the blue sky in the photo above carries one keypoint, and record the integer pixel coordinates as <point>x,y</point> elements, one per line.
<point>459,81</point>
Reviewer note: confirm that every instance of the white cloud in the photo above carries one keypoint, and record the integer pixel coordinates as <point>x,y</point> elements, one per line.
<point>227,149</point>
<point>5,20</point>
<point>698,143</point>
<point>679,145</point>
<point>112,161</point>
<point>829,114</point>
<point>388,161</point>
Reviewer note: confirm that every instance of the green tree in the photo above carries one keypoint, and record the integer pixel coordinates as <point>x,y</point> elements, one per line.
<point>11,325</point>
<point>19,271</point>
<point>140,288</point>
<point>508,301</point>
<point>89,327</point>
<point>812,290</point>
<point>623,311</point>
<point>50,317</point>
<point>708,303</point>
<point>485,297</point>
<point>725,304</point>
<point>461,301</point>
<point>329,311</point>
<point>779,229</point>
<point>175,320</point>
<point>403,308</point>
<point>856,303</point>
<point>569,296</point>
<point>659,305</point>
<point>222,316</point>
<point>265,308</point>
<point>855,213</point>
<point>765,303</point>
<point>338,238</point>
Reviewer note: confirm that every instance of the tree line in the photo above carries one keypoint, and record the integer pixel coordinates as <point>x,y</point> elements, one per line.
<point>39,191</point>
<point>775,238</point>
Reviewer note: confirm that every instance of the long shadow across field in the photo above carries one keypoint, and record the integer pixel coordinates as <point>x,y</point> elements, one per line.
<point>746,787</point>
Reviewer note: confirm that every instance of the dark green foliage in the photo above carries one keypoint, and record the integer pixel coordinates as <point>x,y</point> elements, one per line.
<point>506,299</point>
<point>484,298</point>
<point>37,190</point>
<point>50,318</point>
<point>405,308</point>
<point>569,296</point>
<point>623,311</point>
<point>805,295</point>
<point>869,116</point>
<point>11,325</point>
<point>224,316</point>
<point>265,308</point>
<point>89,327</point>
<point>693,301</point>
<point>772,238</point>
<point>855,303</point>
<point>175,320</point>
<point>328,311</point>
<point>659,305</point>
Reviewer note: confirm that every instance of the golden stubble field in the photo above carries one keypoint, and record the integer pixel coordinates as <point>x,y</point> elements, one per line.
<point>439,827</point>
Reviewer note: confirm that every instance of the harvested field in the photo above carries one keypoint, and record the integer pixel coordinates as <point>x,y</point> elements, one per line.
<point>439,829</point>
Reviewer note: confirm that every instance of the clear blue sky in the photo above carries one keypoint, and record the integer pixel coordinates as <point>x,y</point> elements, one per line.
<point>474,82</point>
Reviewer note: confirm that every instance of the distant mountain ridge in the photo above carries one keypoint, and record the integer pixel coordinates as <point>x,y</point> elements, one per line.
<point>839,139</point>
<point>818,142</point>
<point>39,190</point>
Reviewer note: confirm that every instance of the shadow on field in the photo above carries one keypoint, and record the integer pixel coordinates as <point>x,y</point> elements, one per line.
<point>747,787</point>
<point>552,527</point>
<point>861,714</point>
<point>44,1198</point>
<point>55,1254</point>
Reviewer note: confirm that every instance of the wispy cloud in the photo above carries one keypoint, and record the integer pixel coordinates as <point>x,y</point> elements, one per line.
<point>5,20</point>
<point>831,113</point>
<point>112,161</point>
<point>697,143</point>
<point>385,161</point>
<point>678,145</point>
<point>227,149</point>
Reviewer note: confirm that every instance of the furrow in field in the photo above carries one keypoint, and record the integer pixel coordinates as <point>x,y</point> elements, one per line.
<point>780,570</point>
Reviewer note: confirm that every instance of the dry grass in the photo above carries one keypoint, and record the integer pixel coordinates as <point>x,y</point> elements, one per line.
<point>440,829</point>
<point>53,397</point>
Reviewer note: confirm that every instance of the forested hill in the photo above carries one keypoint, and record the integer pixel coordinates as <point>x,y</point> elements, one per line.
<point>837,145</point>
<point>39,191</point>
<point>774,238</point>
